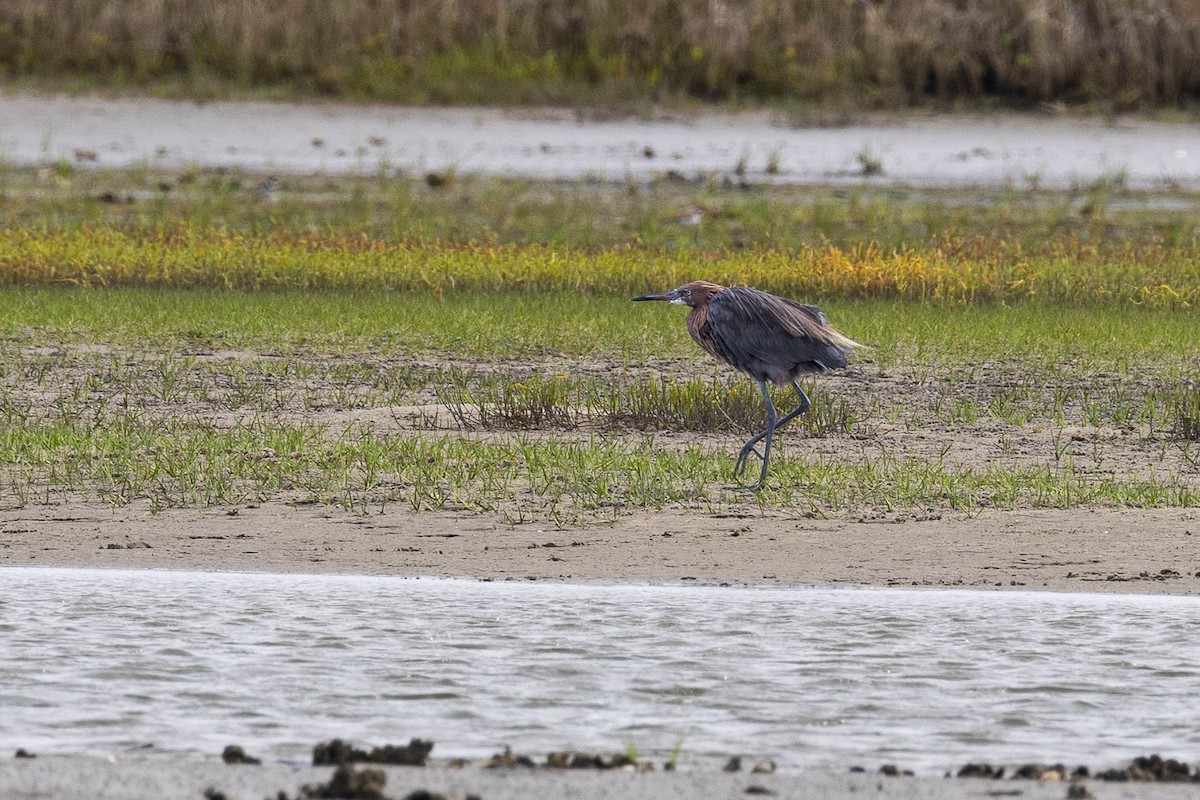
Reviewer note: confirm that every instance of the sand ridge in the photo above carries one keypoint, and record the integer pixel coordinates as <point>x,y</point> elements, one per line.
<point>1106,550</point>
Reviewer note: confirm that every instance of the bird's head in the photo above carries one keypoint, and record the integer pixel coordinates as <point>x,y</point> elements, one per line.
<point>694,294</point>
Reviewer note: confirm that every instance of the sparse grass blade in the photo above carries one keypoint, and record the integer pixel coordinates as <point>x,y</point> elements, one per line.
<point>1187,413</point>
<point>690,404</point>
<point>539,401</point>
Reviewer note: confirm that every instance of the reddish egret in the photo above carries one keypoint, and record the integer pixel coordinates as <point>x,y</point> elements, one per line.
<point>767,337</point>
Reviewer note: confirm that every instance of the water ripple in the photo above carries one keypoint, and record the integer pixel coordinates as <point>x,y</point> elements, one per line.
<point>101,661</point>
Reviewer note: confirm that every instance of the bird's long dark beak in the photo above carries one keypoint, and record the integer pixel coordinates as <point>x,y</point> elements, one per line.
<point>668,296</point>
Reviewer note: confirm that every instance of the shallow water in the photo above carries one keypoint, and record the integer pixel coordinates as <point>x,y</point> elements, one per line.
<point>1007,150</point>
<point>106,661</point>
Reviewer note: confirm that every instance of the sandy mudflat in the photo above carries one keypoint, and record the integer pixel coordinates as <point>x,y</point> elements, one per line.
<point>1135,550</point>
<point>187,778</point>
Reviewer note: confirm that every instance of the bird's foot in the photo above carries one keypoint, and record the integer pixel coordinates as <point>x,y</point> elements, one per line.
<point>739,466</point>
<point>754,487</point>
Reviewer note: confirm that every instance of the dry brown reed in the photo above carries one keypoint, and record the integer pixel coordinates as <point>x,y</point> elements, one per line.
<point>873,53</point>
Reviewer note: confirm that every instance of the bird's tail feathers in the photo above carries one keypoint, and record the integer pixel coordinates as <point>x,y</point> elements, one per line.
<point>845,343</point>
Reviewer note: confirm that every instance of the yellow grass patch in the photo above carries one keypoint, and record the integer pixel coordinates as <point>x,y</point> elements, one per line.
<point>958,273</point>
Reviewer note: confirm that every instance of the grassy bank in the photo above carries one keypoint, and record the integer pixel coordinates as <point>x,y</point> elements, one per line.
<point>471,325</point>
<point>521,479</point>
<point>849,55</point>
<point>371,342</point>
<point>567,407</point>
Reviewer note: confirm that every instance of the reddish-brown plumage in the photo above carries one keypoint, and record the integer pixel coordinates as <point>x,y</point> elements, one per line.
<point>767,337</point>
<point>699,293</point>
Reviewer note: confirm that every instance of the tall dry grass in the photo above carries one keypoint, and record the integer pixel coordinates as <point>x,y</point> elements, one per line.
<point>875,52</point>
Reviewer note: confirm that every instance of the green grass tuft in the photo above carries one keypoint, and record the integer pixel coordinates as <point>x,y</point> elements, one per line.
<point>1187,413</point>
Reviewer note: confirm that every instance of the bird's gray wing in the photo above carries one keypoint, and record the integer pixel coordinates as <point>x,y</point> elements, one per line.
<point>765,335</point>
<point>815,312</point>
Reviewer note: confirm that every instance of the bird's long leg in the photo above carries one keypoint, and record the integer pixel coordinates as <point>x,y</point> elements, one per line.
<point>798,410</point>
<point>750,446</point>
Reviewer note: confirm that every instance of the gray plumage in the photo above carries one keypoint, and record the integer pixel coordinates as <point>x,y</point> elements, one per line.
<point>767,337</point>
<point>771,338</point>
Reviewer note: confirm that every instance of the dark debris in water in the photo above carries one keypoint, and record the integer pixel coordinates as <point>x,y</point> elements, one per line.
<point>979,771</point>
<point>1153,768</point>
<point>335,752</point>
<point>349,783</point>
<point>571,760</point>
<point>892,771</point>
<point>368,783</point>
<point>509,760</point>
<point>234,754</point>
<point>1145,769</point>
<point>365,783</point>
<point>568,759</point>
<point>887,770</point>
<point>23,753</point>
<point>1047,773</point>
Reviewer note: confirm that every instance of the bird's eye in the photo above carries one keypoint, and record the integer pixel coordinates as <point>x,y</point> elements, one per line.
<point>686,293</point>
